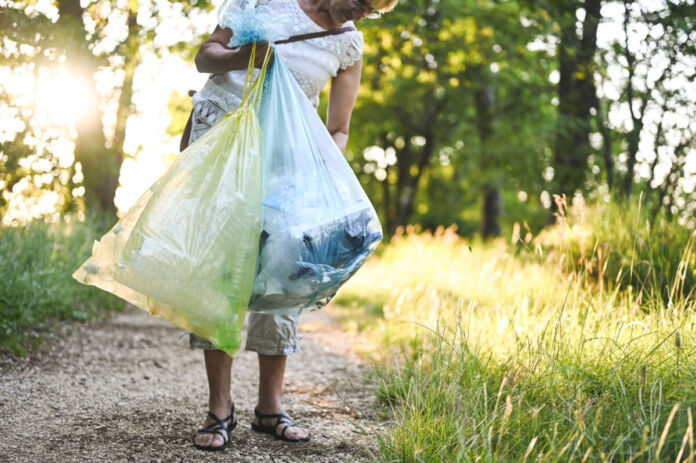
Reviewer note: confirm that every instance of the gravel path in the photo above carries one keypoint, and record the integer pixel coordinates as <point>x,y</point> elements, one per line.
<point>128,388</point>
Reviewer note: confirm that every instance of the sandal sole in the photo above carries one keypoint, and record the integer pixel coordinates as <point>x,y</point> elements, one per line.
<point>213,449</point>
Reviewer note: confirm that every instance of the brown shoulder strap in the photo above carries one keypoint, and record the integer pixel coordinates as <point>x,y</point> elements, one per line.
<point>314,35</point>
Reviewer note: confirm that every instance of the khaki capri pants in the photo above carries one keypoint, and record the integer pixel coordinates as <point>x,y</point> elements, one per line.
<point>265,334</point>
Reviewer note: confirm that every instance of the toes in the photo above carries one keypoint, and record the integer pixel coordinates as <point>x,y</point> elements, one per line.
<point>201,439</point>
<point>217,440</point>
<point>296,433</point>
<point>209,440</point>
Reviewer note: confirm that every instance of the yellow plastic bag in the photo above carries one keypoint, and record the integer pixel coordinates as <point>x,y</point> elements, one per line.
<point>186,250</point>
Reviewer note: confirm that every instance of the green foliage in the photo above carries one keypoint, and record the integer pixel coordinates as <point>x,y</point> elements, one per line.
<point>428,66</point>
<point>618,246</point>
<point>455,101</point>
<point>488,354</point>
<point>37,288</point>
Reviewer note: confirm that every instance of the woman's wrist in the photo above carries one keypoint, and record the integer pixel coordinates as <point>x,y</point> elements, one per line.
<point>217,59</point>
<point>234,59</point>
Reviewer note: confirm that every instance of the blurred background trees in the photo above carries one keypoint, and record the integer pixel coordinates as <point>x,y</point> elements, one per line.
<point>67,49</point>
<point>470,112</point>
<point>445,86</point>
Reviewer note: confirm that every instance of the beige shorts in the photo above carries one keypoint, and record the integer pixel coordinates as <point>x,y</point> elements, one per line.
<point>265,334</point>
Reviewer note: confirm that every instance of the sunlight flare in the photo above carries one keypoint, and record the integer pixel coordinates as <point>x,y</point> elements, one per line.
<point>61,98</point>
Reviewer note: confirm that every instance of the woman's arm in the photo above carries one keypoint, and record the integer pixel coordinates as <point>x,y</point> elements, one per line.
<point>216,58</point>
<point>344,92</point>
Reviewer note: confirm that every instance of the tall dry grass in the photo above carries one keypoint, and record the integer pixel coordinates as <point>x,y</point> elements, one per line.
<point>536,350</point>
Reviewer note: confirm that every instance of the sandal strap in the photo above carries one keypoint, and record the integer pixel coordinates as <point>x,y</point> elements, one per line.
<point>282,418</point>
<point>215,427</point>
<point>262,416</point>
<point>222,422</point>
<point>230,416</point>
<point>218,422</point>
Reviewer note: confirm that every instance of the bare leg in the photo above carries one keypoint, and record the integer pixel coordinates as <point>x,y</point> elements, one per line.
<point>271,374</point>
<point>218,366</point>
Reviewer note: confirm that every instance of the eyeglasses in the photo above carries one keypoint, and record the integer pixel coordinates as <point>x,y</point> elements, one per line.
<point>367,10</point>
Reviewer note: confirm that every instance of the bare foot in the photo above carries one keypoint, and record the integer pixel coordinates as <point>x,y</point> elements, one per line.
<point>294,432</point>
<point>216,439</point>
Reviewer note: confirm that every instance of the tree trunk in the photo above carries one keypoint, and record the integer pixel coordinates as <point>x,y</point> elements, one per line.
<point>484,98</point>
<point>576,95</point>
<point>98,163</point>
<point>492,208</point>
<point>607,147</point>
<point>131,57</point>
<point>388,217</point>
<point>407,195</point>
<point>400,199</point>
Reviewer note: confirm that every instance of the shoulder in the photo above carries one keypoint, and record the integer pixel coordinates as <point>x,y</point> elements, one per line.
<point>355,32</point>
<point>353,42</point>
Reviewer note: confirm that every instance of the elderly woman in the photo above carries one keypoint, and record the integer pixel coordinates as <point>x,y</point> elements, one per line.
<point>314,60</point>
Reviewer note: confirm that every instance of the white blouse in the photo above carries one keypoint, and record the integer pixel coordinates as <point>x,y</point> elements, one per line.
<point>312,62</point>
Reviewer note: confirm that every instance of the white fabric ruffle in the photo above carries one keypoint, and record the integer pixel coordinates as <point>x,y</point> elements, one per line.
<point>354,50</point>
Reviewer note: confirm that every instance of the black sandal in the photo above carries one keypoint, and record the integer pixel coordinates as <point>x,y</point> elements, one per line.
<point>282,418</point>
<point>216,428</point>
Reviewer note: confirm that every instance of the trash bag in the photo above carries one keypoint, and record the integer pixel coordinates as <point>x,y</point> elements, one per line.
<point>251,22</point>
<point>186,251</point>
<point>318,224</point>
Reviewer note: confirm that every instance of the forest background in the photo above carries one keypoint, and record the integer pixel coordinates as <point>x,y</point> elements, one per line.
<point>470,113</point>
<point>557,136</point>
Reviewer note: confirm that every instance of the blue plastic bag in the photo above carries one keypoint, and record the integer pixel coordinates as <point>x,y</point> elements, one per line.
<point>318,224</point>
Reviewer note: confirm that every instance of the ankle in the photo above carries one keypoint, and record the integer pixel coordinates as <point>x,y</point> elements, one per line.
<point>269,407</point>
<point>219,403</point>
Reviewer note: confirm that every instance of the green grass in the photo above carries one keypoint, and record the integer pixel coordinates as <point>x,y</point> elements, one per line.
<point>620,246</point>
<point>36,284</point>
<point>492,353</point>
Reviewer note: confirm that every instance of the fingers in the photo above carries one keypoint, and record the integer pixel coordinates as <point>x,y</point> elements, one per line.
<point>261,49</point>
<point>260,58</point>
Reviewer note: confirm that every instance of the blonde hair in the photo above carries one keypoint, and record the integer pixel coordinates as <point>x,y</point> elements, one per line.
<point>383,6</point>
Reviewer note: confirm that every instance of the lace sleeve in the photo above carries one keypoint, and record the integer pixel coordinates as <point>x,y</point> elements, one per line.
<point>354,50</point>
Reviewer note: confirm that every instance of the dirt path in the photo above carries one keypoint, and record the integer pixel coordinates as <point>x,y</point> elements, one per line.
<point>128,388</point>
